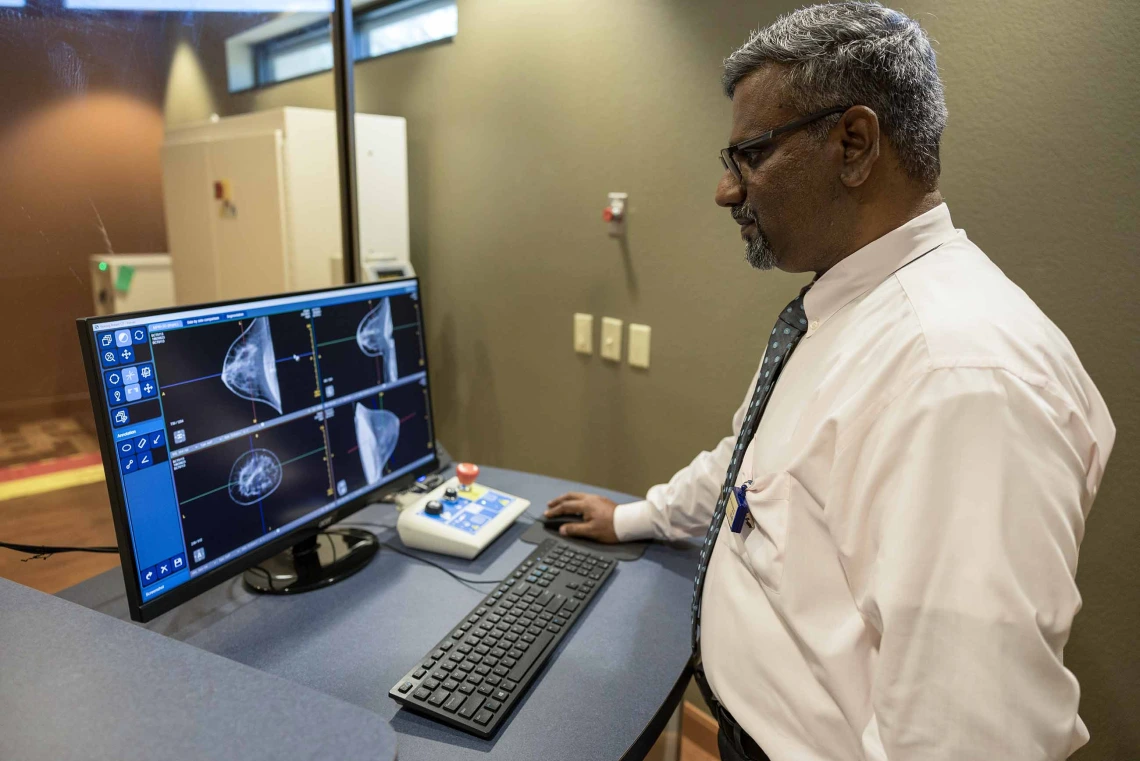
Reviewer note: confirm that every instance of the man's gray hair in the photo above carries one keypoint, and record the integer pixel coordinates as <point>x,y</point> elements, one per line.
<point>857,53</point>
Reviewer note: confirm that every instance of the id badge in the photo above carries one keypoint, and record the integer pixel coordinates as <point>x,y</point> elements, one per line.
<point>738,508</point>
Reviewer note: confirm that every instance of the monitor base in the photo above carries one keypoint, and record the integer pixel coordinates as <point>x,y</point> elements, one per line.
<point>316,562</point>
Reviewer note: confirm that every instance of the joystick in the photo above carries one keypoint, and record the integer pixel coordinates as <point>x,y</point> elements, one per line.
<point>466,472</point>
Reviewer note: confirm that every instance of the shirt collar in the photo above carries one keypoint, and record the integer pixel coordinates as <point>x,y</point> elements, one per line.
<point>866,268</point>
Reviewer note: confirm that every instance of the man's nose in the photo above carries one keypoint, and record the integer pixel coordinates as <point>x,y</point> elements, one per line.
<point>728,191</point>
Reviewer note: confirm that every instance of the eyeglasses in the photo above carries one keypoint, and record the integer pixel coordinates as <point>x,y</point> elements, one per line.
<point>752,144</point>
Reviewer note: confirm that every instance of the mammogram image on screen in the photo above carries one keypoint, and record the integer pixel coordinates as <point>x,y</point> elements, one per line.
<point>250,367</point>
<point>375,338</point>
<point>255,475</point>
<point>377,432</point>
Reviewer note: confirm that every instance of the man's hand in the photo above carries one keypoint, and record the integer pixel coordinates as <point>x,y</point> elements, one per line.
<point>597,516</point>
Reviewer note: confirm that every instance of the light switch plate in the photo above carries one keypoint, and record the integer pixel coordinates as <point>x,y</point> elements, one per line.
<point>611,339</point>
<point>638,345</point>
<point>583,333</point>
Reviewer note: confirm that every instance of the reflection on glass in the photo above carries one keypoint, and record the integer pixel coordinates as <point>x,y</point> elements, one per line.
<point>228,6</point>
<point>134,179</point>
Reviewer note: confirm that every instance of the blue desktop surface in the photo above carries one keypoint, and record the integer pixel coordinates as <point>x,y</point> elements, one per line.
<point>235,424</point>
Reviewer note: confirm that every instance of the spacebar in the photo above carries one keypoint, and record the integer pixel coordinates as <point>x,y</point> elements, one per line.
<point>532,654</point>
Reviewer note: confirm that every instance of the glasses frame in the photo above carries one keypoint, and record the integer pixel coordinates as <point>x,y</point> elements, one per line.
<point>728,160</point>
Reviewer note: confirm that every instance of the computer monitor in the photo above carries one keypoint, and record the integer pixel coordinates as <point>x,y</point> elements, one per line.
<point>233,432</point>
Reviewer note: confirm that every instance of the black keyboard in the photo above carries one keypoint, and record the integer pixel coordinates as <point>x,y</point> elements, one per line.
<point>474,678</point>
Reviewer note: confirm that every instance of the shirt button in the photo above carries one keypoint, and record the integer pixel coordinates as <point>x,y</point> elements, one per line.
<point>814,326</point>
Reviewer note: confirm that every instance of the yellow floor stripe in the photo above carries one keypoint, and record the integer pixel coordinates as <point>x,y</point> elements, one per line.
<point>64,479</point>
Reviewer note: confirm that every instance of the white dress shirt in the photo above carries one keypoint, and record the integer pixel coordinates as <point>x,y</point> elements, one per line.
<point>920,483</point>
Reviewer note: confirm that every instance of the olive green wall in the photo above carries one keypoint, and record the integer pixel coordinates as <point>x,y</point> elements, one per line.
<point>520,127</point>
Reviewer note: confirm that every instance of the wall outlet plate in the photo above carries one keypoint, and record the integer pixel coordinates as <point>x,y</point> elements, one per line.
<point>584,333</point>
<point>611,339</point>
<point>639,345</point>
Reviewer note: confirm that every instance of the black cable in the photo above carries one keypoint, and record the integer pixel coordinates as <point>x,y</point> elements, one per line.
<point>42,551</point>
<point>466,582</point>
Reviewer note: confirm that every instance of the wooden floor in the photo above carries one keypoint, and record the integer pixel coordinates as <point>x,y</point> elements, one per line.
<point>78,516</point>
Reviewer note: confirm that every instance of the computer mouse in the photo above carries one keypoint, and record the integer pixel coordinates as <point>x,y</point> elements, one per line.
<point>561,520</point>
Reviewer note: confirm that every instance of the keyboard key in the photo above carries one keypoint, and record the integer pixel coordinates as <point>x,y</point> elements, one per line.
<point>438,698</point>
<point>450,685</point>
<point>532,655</point>
<point>501,695</point>
<point>486,689</point>
<point>508,685</point>
<point>419,673</point>
<point>431,684</point>
<point>405,687</point>
<point>454,702</point>
<point>422,694</point>
<point>483,717</point>
<point>472,706</point>
<point>492,705</point>
<point>467,688</point>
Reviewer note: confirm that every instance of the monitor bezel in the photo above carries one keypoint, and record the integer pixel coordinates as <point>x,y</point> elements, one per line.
<point>146,611</point>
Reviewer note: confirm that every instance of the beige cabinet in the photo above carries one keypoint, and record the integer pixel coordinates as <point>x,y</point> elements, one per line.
<point>252,202</point>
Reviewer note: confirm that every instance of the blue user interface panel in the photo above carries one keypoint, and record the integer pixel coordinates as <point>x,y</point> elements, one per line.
<point>234,425</point>
<point>470,513</point>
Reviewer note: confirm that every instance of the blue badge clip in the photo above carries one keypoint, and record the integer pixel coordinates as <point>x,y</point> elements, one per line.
<point>740,514</point>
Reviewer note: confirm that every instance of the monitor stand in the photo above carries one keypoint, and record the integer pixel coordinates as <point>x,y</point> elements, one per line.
<point>316,562</point>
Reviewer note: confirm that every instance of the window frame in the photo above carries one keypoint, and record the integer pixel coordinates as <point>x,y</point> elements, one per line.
<point>264,52</point>
<point>365,19</point>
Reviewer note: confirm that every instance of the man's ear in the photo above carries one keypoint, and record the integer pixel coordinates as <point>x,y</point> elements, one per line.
<point>858,134</point>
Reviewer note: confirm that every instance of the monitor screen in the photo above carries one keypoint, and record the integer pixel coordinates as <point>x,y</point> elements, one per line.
<point>232,426</point>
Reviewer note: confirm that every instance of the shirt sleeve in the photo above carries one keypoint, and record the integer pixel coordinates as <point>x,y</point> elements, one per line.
<point>684,506</point>
<point>968,493</point>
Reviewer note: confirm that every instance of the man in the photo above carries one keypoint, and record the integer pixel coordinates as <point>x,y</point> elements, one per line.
<point>893,575</point>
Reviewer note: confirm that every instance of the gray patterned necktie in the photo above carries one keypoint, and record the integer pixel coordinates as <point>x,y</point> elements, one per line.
<point>789,329</point>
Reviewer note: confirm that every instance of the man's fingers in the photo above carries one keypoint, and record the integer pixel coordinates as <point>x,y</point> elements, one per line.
<point>559,500</point>
<point>577,529</point>
<point>568,506</point>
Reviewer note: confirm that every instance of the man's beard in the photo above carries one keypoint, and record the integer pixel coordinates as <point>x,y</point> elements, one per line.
<point>757,251</point>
